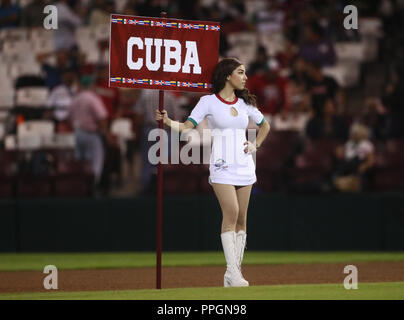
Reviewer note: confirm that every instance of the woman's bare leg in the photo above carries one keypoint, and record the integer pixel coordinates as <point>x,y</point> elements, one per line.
<point>227,197</point>
<point>243,197</point>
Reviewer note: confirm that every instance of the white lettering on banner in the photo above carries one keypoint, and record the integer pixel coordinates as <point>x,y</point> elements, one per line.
<point>134,41</point>
<point>172,50</point>
<point>157,61</point>
<point>191,57</point>
<point>172,54</point>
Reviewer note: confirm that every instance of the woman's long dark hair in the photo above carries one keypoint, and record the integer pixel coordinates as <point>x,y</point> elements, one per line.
<point>222,70</point>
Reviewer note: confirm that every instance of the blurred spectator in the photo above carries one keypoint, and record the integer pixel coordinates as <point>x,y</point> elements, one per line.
<point>298,72</point>
<point>269,20</point>
<point>295,119</point>
<point>125,110</point>
<point>260,62</point>
<point>232,14</point>
<point>321,88</point>
<point>375,116</point>
<point>316,47</point>
<point>61,96</point>
<point>356,158</point>
<point>53,74</point>
<point>100,13</point>
<point>270,88</point>
<point>33,15</point>
<point>109,95</point>
<point>287,56</point>
<point>152,8</point>
<point>89,120</point>
<point>9,14</point>
<point>68,21</point>
<point>145,107</point>
<point>213,14</point>
<point>393,100</point>
<point>134,8</point>
<point>328,124</point>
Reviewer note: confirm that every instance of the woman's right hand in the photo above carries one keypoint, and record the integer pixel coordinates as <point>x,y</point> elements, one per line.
<point>161,115</point>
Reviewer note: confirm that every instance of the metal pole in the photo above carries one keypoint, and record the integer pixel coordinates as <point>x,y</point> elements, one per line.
<point>159,191</point>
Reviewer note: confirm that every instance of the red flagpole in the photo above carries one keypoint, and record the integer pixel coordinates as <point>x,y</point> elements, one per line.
<point>159,191</point>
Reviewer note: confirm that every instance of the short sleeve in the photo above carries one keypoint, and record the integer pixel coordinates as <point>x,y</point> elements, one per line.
<point>199,112</point>
<point>255,115</point>
<point>99,108</point>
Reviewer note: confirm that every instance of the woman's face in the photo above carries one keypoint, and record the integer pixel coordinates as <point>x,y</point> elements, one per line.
<point>238,78</point>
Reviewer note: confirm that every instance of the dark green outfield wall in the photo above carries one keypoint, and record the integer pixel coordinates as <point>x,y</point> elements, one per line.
<point>275,222</point>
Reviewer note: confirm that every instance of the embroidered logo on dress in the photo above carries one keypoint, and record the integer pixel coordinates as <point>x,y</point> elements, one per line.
<point>220,164</point>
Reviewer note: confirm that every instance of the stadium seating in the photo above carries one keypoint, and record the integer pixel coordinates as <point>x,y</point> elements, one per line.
<point>31,97</point>
<point>180,179</point>
<point>274,156</point>
<point>284,155</point>
<point>8,173</point>
<point>35,134</point>
<point>324,146</point>
<point>345,72</point>
<point>73,178</point>
<point>44,172</point>
<point>388,173</point>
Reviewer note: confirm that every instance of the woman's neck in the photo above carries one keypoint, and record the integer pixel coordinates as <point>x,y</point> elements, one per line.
<point>227,93</point>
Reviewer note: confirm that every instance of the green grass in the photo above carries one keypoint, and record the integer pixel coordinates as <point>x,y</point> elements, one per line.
<point>365,291</point>
<point>37,261</point>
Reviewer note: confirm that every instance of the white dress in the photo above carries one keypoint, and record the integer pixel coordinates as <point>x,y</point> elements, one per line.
<point>229,164</point>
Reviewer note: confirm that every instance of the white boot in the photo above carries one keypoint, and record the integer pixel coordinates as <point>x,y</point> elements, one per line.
<point>232,277</point>
<point>241,240</point>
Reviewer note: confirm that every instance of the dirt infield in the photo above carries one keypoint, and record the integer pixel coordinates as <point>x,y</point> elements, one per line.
<point>181,277</point>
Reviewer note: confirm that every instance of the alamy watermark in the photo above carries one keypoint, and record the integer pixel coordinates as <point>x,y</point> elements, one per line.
<point>351,280</point>
<point>51,20</point>
<point>228,148</point>
<point>51,280</point>
<point>351,20</point>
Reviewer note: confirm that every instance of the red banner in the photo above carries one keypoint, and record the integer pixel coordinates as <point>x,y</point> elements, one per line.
<point>164,54</point>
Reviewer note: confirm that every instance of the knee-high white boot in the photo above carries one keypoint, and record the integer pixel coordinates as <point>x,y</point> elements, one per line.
<point>241,240</point>
<point>232,277</point>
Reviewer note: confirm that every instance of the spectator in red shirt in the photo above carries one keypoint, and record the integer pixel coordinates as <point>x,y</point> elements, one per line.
<point>270,88</point>
<point>88,116</point>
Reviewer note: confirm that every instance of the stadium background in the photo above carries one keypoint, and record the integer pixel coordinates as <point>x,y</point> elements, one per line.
<point>49,205</point>
<point>48,199</point>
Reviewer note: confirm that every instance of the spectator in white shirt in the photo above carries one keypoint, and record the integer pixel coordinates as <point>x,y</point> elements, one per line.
<point>68,21</point>
<point>356,158</point>
<point>61,96</point>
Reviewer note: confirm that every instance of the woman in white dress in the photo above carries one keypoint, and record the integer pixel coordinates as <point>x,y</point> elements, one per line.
<point>232,168</point>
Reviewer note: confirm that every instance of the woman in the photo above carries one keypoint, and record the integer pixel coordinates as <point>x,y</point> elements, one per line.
<point>356,158</point>
<point>228,111</point>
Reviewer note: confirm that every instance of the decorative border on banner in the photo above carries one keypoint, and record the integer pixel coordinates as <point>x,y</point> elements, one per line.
<point>165,83</point>
<point>178,25</point>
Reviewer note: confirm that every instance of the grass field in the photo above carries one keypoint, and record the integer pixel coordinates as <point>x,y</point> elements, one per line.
<point>36,261</point>
<point>366,291</point>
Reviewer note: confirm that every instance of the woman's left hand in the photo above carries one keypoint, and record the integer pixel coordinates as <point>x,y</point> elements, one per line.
<point>250,148</point>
